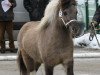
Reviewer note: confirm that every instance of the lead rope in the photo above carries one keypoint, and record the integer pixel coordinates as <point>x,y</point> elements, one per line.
<point>93,33</point>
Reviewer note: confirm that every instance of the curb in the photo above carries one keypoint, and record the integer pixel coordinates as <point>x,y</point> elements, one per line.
<point>8,58</point>
<point>87,55</point>
<point>76,55</point>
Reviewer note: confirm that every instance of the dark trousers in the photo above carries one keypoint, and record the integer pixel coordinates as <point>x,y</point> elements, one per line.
<point>35,16</point>
<point>8,27</point>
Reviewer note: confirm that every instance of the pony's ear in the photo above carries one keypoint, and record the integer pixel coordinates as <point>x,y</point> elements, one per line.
<point>65,0</point>
<point>67,3</point>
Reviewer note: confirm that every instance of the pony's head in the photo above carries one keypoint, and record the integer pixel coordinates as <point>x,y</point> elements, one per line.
<point>64,8</point>
<point>68,10</point>
<point>68,14</point>
<point>62,11</point>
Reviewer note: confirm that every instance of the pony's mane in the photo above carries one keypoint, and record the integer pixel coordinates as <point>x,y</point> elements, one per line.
<point>50,12</point>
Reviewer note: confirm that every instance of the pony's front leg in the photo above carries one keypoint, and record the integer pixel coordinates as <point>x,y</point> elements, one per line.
<point>48,70</point>
<point>33,73</point>
<point>69,67</point>
<point>25,73</point>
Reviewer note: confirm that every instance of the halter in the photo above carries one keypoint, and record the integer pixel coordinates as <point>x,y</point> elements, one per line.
<point>66,24</point>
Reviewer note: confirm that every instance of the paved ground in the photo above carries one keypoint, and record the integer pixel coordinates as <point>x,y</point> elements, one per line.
<point>81,67</point>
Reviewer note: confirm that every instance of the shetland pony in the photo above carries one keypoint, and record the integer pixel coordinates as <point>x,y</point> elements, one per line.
<point>49,41</point>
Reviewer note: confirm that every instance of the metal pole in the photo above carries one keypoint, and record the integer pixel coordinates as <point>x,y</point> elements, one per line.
<point>96,1</point>
<point>87,14</point>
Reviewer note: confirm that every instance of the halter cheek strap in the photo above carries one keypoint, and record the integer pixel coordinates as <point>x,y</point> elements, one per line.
<point>66,24</point>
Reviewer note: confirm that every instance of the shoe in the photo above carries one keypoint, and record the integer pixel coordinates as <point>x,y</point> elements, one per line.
<point>13,50</point>
<point>2,50</point>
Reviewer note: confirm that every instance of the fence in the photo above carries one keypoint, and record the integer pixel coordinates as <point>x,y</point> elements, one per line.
<point>88,8</point>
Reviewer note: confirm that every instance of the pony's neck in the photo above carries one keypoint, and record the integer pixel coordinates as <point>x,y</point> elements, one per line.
<point>58,27</point>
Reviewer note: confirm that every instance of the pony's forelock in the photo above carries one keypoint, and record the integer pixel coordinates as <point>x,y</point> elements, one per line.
<point>51,9</point>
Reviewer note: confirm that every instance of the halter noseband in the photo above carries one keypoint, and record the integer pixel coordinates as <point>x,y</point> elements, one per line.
<point>66,24</point>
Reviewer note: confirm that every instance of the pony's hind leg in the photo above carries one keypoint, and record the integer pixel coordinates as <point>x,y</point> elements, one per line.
<point>69,68</point>
<point>26,63</point>
<point>49,70</point>
<point>21,64</point>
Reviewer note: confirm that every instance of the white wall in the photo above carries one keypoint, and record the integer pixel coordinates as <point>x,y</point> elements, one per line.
<point>21,15</point>
<point>80,2</point>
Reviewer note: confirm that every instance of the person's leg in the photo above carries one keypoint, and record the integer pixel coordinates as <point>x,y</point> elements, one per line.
<point>9,30</point>
<point>2,33</point>
<point>31,17</point>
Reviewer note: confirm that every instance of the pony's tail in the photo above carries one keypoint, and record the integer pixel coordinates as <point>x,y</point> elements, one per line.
<point>21,64</point>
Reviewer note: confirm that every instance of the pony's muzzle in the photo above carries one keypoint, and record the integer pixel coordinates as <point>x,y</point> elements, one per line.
<point>77,28</point>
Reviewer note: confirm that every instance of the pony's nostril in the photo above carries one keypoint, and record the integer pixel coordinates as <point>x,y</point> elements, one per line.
<point>74,17</point>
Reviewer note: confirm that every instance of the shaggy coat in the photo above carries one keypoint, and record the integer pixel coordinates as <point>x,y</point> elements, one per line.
<point>49,41</point>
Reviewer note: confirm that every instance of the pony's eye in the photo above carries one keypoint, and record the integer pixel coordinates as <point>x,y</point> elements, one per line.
<point>74,4</point>
<point>65,13</point>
